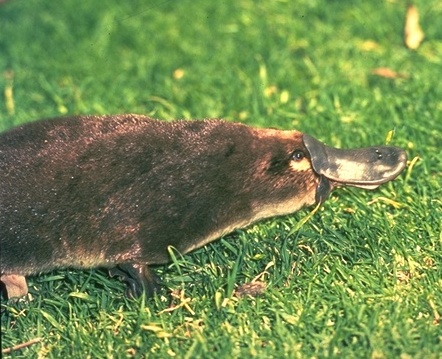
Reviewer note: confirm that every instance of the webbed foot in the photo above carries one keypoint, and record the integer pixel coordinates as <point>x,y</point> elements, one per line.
<point>139,279</point>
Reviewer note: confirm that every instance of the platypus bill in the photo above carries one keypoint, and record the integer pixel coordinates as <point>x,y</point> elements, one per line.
<point>118,191</point>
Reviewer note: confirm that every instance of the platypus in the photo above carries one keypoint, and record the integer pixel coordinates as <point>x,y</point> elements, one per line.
<point>118,191</point>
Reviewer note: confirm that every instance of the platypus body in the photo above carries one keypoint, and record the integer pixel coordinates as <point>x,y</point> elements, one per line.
<point>118,191</point>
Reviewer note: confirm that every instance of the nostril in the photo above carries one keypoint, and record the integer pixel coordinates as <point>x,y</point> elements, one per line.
<point>379,154</point>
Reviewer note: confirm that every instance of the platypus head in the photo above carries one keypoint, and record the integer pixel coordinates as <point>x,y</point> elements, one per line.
<point>367,167</point>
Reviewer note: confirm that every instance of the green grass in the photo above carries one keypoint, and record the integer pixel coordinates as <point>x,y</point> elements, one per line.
<point>361,279</point>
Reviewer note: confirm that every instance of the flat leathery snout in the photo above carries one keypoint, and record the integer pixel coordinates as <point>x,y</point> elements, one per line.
<point>370,166</point>
<point>367,166</point>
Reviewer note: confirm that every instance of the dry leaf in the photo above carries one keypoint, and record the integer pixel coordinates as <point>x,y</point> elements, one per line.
<point>178,74</point>
<point>370,45</point>
<point>388,73</point>
<point>413,34</point>
<point>253,289</point>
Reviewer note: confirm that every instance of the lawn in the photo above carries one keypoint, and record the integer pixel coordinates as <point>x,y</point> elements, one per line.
<point>361,278</point>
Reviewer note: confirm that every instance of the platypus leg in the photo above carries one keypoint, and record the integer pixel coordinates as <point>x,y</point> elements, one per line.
<point>138,277</point>
<point>15,285</point>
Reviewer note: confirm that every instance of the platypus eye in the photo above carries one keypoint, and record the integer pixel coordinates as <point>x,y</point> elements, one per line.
<point>298,155</point>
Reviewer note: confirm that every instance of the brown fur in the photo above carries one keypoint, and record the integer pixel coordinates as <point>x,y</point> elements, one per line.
<point>108,191</point>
